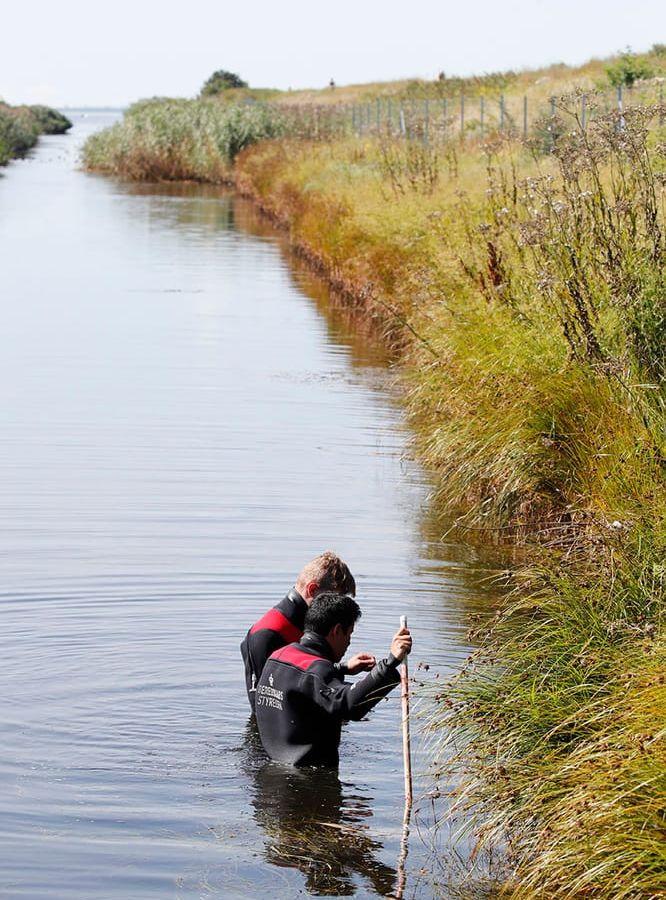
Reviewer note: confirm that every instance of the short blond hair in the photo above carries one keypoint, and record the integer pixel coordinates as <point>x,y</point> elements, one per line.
<point>330,572</point>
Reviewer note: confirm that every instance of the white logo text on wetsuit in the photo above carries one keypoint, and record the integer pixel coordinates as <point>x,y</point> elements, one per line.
<point>269,696</point>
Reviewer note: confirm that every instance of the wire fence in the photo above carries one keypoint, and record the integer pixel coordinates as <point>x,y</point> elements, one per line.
<point>465,117</point>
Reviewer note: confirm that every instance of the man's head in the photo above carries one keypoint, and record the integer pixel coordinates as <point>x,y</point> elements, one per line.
<point>333,616</point>
<point>326,572</point>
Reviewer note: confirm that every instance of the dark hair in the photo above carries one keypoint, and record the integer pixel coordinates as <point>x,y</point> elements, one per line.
<point>329,609</point>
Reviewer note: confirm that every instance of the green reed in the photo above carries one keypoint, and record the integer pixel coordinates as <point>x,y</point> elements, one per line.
<point>20,127</point>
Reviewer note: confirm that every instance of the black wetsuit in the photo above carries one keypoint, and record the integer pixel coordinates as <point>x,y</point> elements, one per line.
<point>302,701</point>
<point>281,625</point>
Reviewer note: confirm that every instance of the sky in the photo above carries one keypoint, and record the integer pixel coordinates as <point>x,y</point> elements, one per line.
<point>73,52</point>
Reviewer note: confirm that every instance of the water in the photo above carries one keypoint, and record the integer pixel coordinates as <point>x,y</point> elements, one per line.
<point>186,421</point>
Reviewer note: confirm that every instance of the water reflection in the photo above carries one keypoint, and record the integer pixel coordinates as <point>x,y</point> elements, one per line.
<point>216,209</point>
<point>313,822</point>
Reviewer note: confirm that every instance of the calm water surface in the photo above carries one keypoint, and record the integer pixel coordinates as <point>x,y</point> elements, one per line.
<point>185,422</point>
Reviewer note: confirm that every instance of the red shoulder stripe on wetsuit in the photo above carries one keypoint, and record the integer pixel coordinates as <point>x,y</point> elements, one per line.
<point>274,620</point>
<point>295,657</point>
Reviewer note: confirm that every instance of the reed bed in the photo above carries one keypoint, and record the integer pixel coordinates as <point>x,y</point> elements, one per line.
<point>20,127</point>
<point>523,286</point>
<point>180,140</point>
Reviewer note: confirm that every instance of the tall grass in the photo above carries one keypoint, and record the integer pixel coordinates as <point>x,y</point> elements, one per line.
<point>20,127</point>
<point>533,288</point>
<point>170,140</point>
<point>197,140</point>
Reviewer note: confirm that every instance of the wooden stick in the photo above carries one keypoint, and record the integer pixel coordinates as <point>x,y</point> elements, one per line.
<point>407,760</point>
<point>406,745</point>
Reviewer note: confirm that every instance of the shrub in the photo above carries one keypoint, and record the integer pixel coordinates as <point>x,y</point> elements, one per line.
<point>50,121</point>
<point>222,81</point>
<point>628,70</point>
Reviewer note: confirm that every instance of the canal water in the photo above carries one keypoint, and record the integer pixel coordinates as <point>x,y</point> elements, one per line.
<point>186,420</point>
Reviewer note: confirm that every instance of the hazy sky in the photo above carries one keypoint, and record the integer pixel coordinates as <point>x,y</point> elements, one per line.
<point>74,52</point>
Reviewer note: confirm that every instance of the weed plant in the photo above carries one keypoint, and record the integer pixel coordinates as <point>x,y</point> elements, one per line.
<point>409,164</point>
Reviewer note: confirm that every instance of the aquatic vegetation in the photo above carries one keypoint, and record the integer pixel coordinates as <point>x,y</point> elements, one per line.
<point>20,127</point>
<point>50,120</point>
<point>172,140</point>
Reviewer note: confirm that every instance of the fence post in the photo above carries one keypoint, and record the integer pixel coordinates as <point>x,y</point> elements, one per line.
<point>583,112</point>
<point>525,117</point>
<point>389,115</point>
<point>481,115</point>
<point>501,104</point>
<point>462,117</point>
<point>403,129</point>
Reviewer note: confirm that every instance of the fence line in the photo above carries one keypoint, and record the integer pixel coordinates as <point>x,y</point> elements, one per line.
<point>468,117</point>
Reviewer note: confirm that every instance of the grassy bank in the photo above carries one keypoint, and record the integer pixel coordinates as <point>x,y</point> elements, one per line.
<point>20,127</point>
<point>524,287</point>
<point>528,295</point>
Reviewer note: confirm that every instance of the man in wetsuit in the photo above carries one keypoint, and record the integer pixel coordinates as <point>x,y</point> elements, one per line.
<point>302,699</point>
<point>284,623</point>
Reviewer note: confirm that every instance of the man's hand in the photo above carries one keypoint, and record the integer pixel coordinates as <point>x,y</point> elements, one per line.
<point>361,662</point>
<point>401,644</point>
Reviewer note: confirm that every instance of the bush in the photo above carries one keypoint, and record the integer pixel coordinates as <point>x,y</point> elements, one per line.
<point>628,70</point>
<point>50,121</point>
<point>222,81</point>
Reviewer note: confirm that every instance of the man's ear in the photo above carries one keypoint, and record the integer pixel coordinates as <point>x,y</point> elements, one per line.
<point>311,589</point>
<point>336,631</point>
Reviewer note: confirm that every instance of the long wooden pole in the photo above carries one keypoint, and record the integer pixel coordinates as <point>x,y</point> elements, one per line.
<point>406,744</point>
<point>407,760</point>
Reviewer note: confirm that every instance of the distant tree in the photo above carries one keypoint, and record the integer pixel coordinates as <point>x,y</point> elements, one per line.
<point>221,81</point>
<point>331,83</point>
<point>629,69</point>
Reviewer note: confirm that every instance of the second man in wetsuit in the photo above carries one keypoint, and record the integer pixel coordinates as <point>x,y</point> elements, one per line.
<point>302,698</point>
